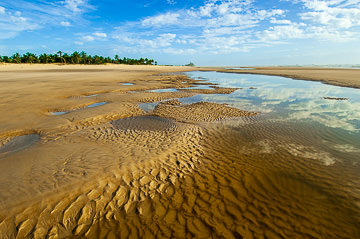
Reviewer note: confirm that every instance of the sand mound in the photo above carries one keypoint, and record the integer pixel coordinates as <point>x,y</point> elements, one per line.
<point>198,112</point>
<point>144,123</point>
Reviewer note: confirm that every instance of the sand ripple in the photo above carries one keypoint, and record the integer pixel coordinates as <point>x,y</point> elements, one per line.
<point>214,182</point>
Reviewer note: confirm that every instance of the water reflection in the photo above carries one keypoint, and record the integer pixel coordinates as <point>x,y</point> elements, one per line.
<point>288,99</point>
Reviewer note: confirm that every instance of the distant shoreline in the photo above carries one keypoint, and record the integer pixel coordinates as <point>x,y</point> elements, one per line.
<point>344,77</point>
<point>333,76</point>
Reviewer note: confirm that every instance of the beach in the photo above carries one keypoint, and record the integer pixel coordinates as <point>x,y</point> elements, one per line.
<point>82,156</point>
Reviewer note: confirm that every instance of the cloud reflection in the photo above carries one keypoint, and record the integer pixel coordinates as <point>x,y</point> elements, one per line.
<point>294,99</point>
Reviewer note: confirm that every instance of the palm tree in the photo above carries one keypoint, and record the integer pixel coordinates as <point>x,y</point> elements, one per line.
<point>61,58</point>
<point>83,57</point>
<point>29,58</point>
<point>16,58</point>
<point>75,57</point>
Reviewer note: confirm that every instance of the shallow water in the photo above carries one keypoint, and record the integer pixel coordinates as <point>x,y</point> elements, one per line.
<point>163,90</point>
<point>96,104</point>
<point>148,106</point>
<point>287,99</point>
<point>20,143</point>
<point>144,123</point>
<point>59,113</point>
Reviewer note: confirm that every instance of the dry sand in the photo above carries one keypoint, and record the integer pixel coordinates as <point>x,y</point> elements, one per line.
<point>116,171</point>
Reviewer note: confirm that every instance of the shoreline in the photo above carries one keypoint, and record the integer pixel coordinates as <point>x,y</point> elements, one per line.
<point>345,77</point>
<point>332,76</point>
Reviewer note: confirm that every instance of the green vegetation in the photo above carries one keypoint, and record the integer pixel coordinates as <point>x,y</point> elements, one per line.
<point>190,64</point>
<point>74,58</point>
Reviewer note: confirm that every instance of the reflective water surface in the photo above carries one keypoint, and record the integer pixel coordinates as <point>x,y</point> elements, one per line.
<point>287,99</point>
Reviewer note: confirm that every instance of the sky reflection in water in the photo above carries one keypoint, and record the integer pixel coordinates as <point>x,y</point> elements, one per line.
<point>286,98</point>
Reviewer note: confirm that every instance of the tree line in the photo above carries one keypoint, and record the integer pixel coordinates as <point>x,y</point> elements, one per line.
<point>74,58</point>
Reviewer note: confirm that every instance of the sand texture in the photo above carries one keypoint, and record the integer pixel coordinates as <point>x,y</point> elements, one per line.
<point>200,170</point>
<point>198,112</point>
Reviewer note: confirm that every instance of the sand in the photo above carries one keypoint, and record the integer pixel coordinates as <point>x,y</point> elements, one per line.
<point>179,171</point>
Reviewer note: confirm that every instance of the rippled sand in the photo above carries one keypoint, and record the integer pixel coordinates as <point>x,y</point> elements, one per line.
<point>117,171</point>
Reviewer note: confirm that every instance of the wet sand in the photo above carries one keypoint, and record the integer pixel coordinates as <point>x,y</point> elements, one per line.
<point>117,171</point>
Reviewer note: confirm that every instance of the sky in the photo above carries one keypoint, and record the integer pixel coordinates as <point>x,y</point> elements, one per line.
<point>176,32</point>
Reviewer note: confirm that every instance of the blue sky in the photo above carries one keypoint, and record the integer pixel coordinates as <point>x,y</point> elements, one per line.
<point>231,32</point>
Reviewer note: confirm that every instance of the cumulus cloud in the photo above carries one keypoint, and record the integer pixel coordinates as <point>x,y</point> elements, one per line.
<point>98,36</point>
<point>230,26</point>
<point>339,14</point>
<point>216,26</point>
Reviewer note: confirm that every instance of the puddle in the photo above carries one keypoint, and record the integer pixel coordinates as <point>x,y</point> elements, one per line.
<point>89,96</point>
<point>19,143</point>
<point>148,106</point>
<point>163,90</point>
<point>59,113</point>
<point>151,123</point>
<point>89,106</point>
<point>127,83</point>
<point>96,104</point>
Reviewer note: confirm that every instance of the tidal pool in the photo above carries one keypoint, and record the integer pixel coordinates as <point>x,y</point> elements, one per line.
<point>148,106</point>
<point>20,143</point>
<point>287,99</point>
<point>292,171</point>
<point>96,104</point>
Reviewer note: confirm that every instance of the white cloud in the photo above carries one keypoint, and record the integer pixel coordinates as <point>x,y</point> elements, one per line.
<point>163,19</point>
<point>31,15</point>
<point>2,10</point>
<point>281,32</point>
<point>75,5</point>
<point>283,21</point>
<point>100,34</point>
<point>88,38</point>
<point>339,14</point>
<point>65,23</point>
<point>11,23</point>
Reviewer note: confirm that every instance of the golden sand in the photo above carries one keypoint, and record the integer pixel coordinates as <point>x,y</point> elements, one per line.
<point>115,171</point>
